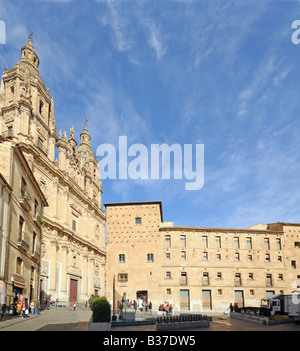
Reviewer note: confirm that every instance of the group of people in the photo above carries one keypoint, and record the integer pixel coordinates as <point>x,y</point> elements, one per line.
<point>73,306</point>
<point>141,304</point>
<point>166,307</point>
<point>25,307</point>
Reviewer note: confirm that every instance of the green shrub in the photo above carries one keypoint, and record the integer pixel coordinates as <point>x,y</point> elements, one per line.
<point>101,310</point>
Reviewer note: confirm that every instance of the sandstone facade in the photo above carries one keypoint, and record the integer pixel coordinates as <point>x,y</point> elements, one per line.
<point>193,268</point>
<point>73,248</point>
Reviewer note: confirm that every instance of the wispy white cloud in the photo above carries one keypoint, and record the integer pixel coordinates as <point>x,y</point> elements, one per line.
<point>119,25</point>
<point>155,38</point>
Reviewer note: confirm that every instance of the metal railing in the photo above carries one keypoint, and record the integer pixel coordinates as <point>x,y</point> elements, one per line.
<point>183,318</point>
<point>24,240</point>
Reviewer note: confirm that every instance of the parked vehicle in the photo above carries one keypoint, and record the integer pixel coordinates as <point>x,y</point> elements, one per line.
<point>285,305</point>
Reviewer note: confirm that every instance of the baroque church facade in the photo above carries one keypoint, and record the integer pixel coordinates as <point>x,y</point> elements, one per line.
<point>72,258</point>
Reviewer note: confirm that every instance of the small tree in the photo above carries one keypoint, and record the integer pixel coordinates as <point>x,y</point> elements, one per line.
<point>101,310</point>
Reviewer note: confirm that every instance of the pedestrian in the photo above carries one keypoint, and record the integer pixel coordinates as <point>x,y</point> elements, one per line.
<point>19,306</point>
<point>135,305</point>
<point>171,310</point>
<point>231,307</point>
<point>48,304</point>
<point>74,305</point>
<point>32,307</point>
<point>38,307</point>
<point>23,309</point>
<point>26,308</point>
<point>70,305</point>
<point>150,308</point>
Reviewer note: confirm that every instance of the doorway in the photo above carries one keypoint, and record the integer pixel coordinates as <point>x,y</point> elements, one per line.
<point>73,290</point>
<point>184,300</point>
<point>141,296</point>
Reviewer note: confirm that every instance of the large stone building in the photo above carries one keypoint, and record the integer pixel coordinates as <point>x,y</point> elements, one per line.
<point>22,227</point>
<point>197,269</point>
<point>73,239</point>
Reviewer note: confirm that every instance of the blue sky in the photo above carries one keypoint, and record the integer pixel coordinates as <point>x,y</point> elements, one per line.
<point>220,73</point>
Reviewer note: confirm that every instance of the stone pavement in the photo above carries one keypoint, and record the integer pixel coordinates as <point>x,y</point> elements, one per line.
<point>54,319</point>
<point>61,319</point>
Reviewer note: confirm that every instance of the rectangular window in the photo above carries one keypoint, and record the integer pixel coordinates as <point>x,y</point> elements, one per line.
<point>267,258</point>
<point>74,224</point>
<point>33,242</point>
<point>249,243</point>
<point>122,258</point>
<point>40,144</point>
<point>249,258</point>
<point>204,242</point>
<point>268,279</point>
<point>138,221</point>
<point>218,257</point>
<point>168,275</point>
<point>122,277</point>
<point>21,223</point>
<point>168,256</point>
<point>236,243</point>
<point>183,278</point>
<point>267,243</point>
<point>183,255</point>
<point>19,265</point>
<point>168,241</point>
<point>293,264</point>
<point>237,279</point>
<point>168,291</point>
<point>278,244</point>
<point>205,279</point>
<point>150,257</point>
<point>23,187</point>
<point>182,241</point>
<point>205,256</point>
<point>218,242</point>
<point>237,256</point>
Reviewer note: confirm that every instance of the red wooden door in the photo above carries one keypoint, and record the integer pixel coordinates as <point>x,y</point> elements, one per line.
<point>73,290</point>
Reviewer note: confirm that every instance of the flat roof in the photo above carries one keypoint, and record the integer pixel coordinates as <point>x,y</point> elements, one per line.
<point>215,229</point>
<point>133,203</point>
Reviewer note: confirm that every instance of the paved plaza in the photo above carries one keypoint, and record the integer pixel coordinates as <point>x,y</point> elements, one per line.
<point>61,319</point>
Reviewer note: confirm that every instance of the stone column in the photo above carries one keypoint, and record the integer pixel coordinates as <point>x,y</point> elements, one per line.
<point>91,269</point>
<point>64,256</point>
<point>84,274</point>
<point>53,256</point>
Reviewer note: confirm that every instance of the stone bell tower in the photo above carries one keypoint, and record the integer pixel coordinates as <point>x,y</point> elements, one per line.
<point>26,108</point>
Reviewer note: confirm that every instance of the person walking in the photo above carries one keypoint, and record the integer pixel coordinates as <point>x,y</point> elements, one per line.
<point>38,307</point>
<point>150,308</point>
<point>74,306</point>
<point>19,306</point>
<point>70,305</point>
<point>32,307</point>
<point>23,309</point>
<point>171,310</point>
